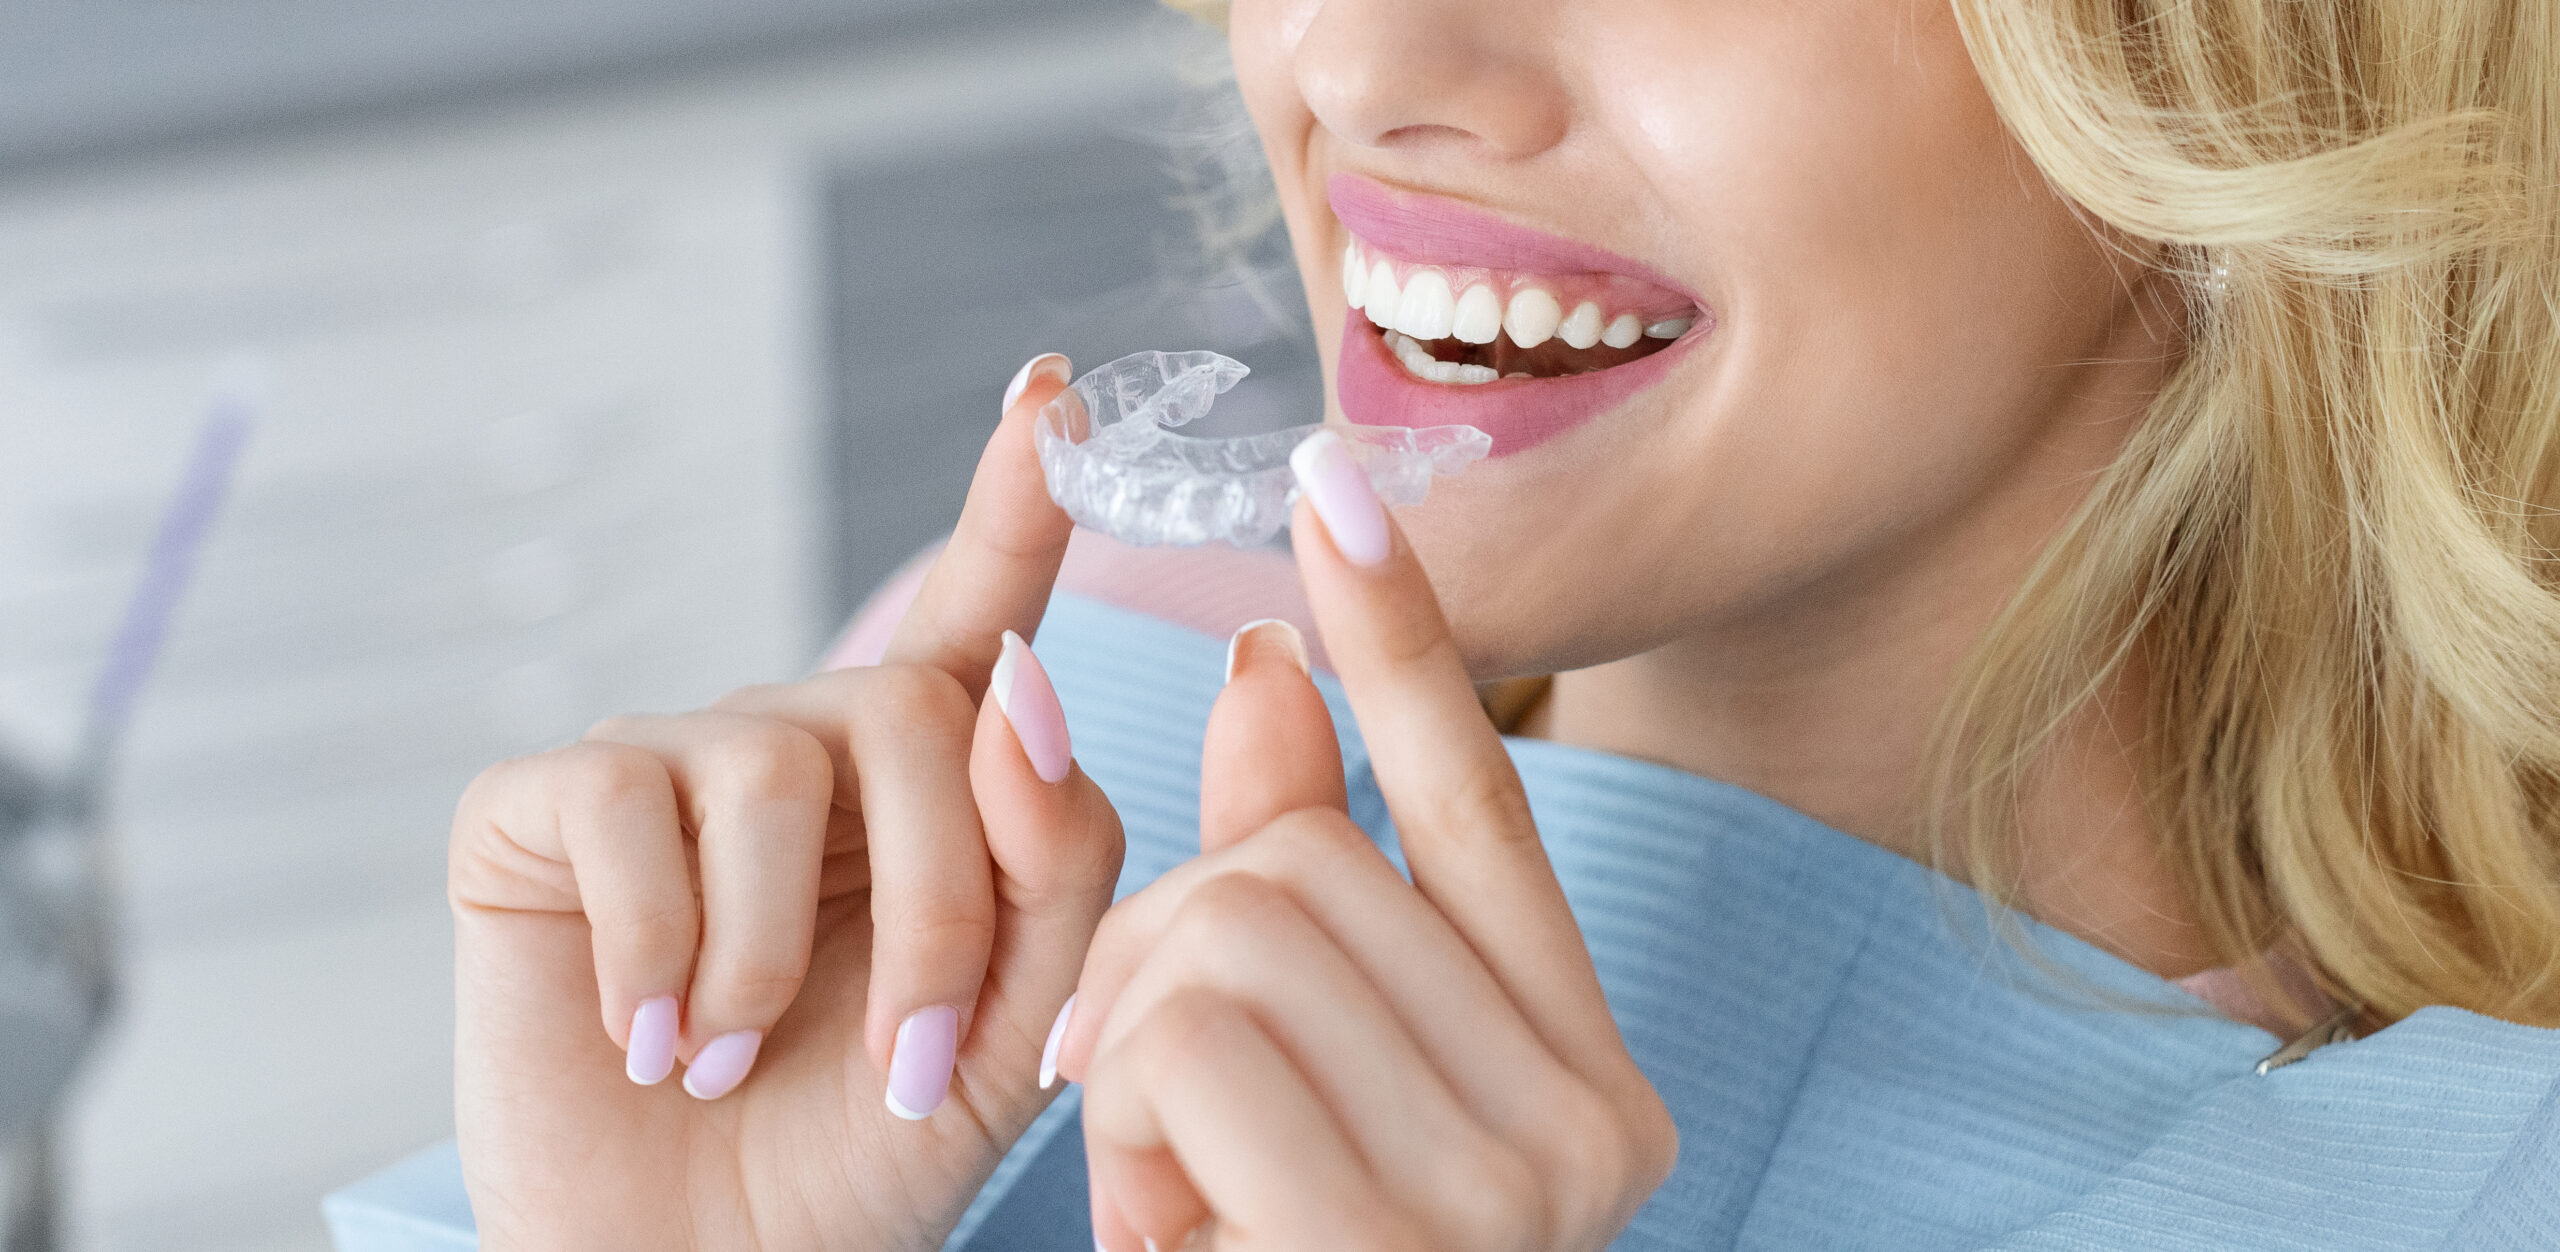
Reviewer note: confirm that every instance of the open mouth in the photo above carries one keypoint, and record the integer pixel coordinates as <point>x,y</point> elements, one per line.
<point>1464,317</point>
<point>1472,326</point>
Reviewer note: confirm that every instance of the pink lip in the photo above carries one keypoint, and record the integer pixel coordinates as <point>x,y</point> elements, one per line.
<point>1520,413</point>
<point>1432,230</point>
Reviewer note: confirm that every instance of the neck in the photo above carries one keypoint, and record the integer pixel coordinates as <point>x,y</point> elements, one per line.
<point>1840,736</point>
<point>1825,703</point>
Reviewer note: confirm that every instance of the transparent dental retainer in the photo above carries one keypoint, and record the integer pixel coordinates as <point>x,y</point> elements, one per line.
<point>1115,462</point>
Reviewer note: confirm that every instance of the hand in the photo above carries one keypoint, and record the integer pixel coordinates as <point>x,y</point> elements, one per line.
<point>1287,1046</point>
<point>767,890</point>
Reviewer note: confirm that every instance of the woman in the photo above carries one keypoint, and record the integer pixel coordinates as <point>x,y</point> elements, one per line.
<point>2108,451</point>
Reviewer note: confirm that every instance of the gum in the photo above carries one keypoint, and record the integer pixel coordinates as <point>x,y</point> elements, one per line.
<point>1115,462</point>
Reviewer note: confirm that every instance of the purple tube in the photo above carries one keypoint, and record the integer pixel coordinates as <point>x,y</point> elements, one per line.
<point>174,552</point>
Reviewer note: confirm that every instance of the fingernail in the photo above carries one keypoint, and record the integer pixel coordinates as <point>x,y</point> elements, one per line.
<point>1030,706</point>
<point>651,1054</point>
<point>1270,632</point>
<point>1340,491</point>
<point>1049,1050</point>
<point>1049,363</point>
<point>920,1061</point>
<point>722,1064</point>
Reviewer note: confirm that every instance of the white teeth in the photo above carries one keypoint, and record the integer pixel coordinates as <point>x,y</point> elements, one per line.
<point>1582,329</point>
<point>1479,317</point>
<point>1416,359</point>
<point>1532,318</point>
<point>1426,308</point>
<point>1418,362</point>
<point>1422,309</point>
<point>1380,303</point>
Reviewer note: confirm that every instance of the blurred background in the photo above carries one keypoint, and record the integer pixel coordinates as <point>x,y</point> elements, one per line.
<point>601,354</point>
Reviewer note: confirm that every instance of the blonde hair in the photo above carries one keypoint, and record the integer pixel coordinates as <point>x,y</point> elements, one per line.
<point>2329,549</point>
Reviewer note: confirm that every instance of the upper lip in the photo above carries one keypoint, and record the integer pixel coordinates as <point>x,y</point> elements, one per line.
<point>1437,230</point>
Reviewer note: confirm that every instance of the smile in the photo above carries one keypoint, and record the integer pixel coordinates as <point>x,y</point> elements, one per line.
<point>1456,316</point>
<point>1470,326</point>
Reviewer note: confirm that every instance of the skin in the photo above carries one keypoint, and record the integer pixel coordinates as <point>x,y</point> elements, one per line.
<point>1762,570</point>
<point>1765,569</point>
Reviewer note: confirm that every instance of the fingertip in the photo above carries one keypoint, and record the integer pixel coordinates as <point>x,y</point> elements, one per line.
<point>1339,491</point>
<point>651,1053</point>
<point>1052,366</point>
<point>1057,1036</point>
<point>1022,692</point>
<point>921,1061</point>
<point>1270,745</point>
<point>1273,634</point>
<point>722,1064</point>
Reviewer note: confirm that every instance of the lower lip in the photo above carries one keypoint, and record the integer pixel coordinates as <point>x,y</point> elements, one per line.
<point>1519,413</point>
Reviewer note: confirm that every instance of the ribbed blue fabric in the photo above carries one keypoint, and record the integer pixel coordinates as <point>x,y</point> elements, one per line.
<point>1854,1061</point>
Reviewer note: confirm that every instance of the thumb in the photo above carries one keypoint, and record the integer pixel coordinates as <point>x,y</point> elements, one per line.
<point>1270,747</point>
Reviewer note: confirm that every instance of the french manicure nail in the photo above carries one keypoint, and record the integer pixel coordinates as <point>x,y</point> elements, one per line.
<point>722,1064</point>
<point>1049,363</point>
<point>1268,632</point>
<point>1049,1050</point>
<point>1339,489</point>
<point>920,1061</point>
<point>1030,706</point>
<point>651,1054</point>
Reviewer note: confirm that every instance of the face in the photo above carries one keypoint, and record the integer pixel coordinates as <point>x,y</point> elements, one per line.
<point>1774,326</point>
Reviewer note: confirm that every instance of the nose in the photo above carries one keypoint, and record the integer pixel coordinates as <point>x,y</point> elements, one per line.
<point>1478,75</point>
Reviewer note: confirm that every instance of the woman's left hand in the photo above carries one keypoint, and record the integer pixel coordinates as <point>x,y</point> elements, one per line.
<point>1284,1044</point>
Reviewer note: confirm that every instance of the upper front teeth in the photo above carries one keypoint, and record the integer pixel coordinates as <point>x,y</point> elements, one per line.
<point>1427,309</point>
<point>1479,317</point>
<point>1424,307</point>
<point>1532,317</point>
<point>1581,327</point>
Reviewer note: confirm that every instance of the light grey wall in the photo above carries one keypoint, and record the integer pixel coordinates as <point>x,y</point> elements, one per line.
<point>80,78</point>
<point>950,270</point>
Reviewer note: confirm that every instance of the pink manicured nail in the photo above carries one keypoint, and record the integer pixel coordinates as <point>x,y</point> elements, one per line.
<point>651,1054</point>
<point>1268,632</point>
<point>1049,1050</point>
<point>920,1061</point>
<point>1340,491</point>
<point>722,1064</point>
<point>1030,706</point>
<point>1049,363</point>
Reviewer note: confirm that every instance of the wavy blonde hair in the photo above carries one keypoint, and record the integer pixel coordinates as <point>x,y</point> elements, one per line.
<point>2329,549</point>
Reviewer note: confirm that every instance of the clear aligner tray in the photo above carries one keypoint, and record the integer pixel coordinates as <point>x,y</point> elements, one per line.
<point>1116,464</point>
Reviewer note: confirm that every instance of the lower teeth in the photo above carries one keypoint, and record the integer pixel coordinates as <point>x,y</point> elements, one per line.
<point>1419,362</point>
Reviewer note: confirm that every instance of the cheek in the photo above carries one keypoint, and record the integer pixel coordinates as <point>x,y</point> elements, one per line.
<point>1883,254</point>
<point>1262,39</point>
<point>1897,289</point>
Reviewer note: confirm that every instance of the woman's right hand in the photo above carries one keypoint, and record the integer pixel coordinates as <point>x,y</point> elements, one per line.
<point>835,901</point>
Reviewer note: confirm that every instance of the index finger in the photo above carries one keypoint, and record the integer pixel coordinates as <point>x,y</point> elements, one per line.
<point>996,573</point>
<point>1460,813</point>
